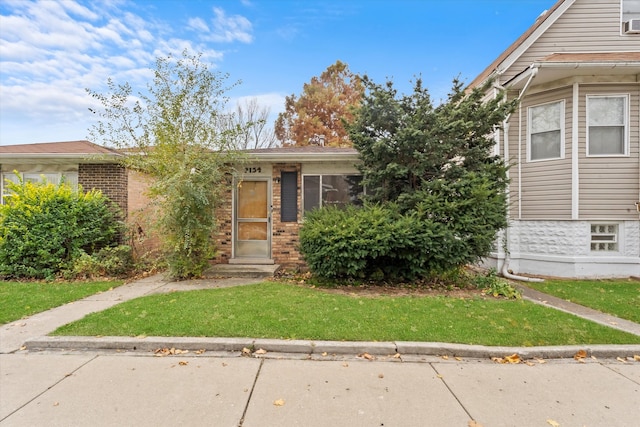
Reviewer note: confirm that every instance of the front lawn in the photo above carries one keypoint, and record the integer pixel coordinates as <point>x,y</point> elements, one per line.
<point>620,298</point>
<point>287,311</point>
<point>20,299</point>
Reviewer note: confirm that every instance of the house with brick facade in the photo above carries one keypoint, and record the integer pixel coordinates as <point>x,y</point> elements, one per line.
<point>77,162</point>
<point>264,206</point>
<point>573,143</point>
<point>274,188</point>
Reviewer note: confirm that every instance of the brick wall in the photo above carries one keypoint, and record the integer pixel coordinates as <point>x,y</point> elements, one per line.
<point>109,178</point>
<point>284,238</point>
<point>141,213</point>
<point>224,215</point>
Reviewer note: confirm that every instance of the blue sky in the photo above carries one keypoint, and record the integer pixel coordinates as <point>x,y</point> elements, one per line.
<point>50,50</point>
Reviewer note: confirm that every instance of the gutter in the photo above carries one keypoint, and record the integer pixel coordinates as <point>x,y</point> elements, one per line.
<point>507,258</point>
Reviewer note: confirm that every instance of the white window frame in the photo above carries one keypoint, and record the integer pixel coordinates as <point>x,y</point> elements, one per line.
<point>530,111</point>
<point>625,118</point>
<point>614,240</point>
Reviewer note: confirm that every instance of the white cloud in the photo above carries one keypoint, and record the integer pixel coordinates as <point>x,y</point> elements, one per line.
<point>198,24</point>
<point>230,28</point>
<point>50,51</point>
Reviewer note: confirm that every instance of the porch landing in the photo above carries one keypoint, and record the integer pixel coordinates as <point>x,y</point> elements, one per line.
<point>241,270</point>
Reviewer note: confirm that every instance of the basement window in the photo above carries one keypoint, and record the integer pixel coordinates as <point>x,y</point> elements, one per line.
<point>604,237</point>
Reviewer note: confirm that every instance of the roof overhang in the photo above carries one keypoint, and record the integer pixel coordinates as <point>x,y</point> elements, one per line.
<point>301,156</point>
<point>563,66</point>
<point>57,158</point>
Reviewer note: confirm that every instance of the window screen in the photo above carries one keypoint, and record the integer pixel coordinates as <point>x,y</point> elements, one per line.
<point>545,128</point>
<point>607,118</point>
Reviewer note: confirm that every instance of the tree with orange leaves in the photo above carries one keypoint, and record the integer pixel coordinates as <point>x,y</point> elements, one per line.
<point>317,115</point>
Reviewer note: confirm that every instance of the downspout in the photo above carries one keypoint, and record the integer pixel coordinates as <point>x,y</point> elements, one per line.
<point>507,257</point>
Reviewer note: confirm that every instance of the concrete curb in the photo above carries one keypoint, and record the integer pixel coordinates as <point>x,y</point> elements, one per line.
<point>318,347</point>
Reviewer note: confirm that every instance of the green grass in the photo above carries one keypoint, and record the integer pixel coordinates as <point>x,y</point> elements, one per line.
<point>618,297</point>
<point>285,311</point>
<point>20,299</point>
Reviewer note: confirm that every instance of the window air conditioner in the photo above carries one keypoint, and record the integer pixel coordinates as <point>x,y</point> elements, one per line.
<point>632,26</point>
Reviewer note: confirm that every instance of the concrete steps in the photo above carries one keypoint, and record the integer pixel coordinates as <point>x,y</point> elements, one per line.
<point>242,270</point>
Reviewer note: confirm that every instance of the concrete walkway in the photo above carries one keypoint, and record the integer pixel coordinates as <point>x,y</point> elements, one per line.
<point>108,381</point>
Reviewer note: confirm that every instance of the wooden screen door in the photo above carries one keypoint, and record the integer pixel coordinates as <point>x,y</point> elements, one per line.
<point>252,237</point>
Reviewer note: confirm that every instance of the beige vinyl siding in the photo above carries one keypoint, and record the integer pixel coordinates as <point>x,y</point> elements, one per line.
<point>587,26</point>
<point>609,186</point>
<point>546,184</point>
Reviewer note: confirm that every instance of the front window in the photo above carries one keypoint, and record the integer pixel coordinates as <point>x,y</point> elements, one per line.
<point>607,125</point>
<point>331,190</point>
<point>70,178</point>
<point>546,131</point>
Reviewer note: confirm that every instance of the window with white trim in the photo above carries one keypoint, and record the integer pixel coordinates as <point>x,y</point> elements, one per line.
<point>604,237</point>
<point>607,125</point>
<point>546,131</point>
<point>70,178</point>
<point>331,190</point>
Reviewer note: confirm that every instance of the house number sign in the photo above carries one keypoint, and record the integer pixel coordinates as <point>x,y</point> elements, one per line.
<point>253,170</point>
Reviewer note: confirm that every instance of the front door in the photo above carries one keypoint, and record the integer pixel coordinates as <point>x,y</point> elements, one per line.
<point>253,220</point>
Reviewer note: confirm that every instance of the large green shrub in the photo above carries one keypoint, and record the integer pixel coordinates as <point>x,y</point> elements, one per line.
<point>452,225</point>
<point>45,227</point>
<point>374,242</point>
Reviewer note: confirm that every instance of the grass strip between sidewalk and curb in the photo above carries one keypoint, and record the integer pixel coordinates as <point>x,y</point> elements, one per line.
<point>286,311</point>
<point>21,299</point>
<point>620,297</point>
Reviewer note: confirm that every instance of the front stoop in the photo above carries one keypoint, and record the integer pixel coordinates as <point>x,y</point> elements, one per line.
<point>242,270</point>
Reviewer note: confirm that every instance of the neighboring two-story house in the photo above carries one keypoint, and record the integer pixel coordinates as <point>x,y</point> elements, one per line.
<point>573,143</point>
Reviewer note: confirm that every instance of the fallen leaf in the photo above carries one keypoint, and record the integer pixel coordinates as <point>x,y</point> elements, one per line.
<point>246,351</point>
<point>514,358</point>
<point>440,376</point>
<point>474,423</point>
<point>636,358</point>
<point>397,356</point>
<point>56,403</point>
<point>581,354</point>
<point>279,402</point>
<point>459,359</point>
<point>620,359</point>
<point>529,363</point>
<point>324,354</point>
<point>553,423</point>
<point>224,364</point>
<point>345,365</point>
<point>24,347</point>
<point>183,363</point>
<point>366,356</point>
<point>539,360</point>
<point>201,351</point>
<point>445,357</point>
<point>380,376</point>
<point>260,351</point>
